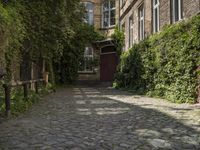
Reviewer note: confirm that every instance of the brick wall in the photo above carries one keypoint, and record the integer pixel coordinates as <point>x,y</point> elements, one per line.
<point>125,15</point>
<point>190,8</point>
<point>164,12</point>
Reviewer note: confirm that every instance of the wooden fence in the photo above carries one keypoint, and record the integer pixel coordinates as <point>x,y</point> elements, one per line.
<point>25,84</point>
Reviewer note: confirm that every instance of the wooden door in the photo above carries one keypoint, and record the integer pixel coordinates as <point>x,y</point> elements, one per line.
<point>108,65</point>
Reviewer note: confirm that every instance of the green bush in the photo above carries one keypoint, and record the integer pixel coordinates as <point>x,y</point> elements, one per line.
<point>19,104</point>
<point>164,64</point>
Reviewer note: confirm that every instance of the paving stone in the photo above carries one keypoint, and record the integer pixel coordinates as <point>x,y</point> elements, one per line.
<point>159,143</point>
<point>124,145</point>
<point>100,118</point>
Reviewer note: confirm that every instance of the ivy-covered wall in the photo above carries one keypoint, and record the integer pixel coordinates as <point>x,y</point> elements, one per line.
<point>12,33</point>
<point>164,64</point>
<point>33,31</point>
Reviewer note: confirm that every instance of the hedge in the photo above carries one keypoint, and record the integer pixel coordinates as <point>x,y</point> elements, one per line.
<point>164,65</point>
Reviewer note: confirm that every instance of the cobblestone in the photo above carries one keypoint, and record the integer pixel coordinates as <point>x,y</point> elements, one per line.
<point>101,118</point>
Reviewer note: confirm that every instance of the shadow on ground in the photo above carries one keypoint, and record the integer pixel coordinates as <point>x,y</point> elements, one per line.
<point>86,118</point>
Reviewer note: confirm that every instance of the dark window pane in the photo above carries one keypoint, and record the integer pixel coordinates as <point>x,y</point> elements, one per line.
<point>176,7</point>
<point>130,31</point>
<point>156,20</point>
<point>112,17</point>
<point>89,16</point>
<point>89,6</point>
<point>112,4</point>
<point>106,5</point>
<point>142,31</point>
<point>106,19</point>
<point>112,21</point>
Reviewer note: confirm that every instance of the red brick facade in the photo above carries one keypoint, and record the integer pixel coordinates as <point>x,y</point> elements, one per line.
<point>129,8</point>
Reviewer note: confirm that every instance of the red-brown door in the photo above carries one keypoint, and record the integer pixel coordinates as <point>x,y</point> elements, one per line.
<point>108,65</point>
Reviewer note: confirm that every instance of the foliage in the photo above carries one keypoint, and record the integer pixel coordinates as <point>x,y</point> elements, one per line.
<point>119,39</point>
<point>50,30</point>
<point>19,104</point>
<point>165,64</point>
<point>12,35</point>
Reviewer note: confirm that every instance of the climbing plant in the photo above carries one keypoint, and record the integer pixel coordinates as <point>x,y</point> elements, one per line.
<point>52,30</point>
<point>12,35</point>
<point>164,64</point>
<point>119,39</point>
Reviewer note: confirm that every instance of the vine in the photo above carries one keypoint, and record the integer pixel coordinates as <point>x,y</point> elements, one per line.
<point>165,64</point>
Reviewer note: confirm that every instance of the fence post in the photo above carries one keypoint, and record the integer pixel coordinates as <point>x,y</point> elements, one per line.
<point>198,88</point>
<point>46,78</point>
<point>36,87</point>
<point>25,85</point>
<point>7,99</point>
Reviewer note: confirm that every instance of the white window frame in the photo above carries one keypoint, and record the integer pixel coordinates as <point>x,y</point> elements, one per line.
<point>89,56</point>
<point>109,14</point>
<point>89,12</point>
<point>174,11</point>
<point>130,31</point>
<point>123,29</point>
<point>156,7</point>
<point>86,56</point>
<point>141,22</point>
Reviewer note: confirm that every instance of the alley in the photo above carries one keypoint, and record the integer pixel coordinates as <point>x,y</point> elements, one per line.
<point>102,118</point>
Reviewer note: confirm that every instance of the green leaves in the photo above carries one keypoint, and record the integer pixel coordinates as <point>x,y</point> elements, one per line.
<point>165,64</point>
<point>118,37</point>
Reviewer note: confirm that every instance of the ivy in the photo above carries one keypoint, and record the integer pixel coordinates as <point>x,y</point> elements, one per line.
<point>119,39</point>
<point>50,30</point>
<point>164,65</point>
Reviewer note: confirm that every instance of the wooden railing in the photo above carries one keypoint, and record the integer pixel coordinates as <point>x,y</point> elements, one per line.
<point>25,84</point>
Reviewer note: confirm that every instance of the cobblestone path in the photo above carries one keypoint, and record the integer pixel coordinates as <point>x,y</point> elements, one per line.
<point>99,118</point>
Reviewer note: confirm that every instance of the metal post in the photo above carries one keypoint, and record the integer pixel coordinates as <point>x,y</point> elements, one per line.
<point>7,99</point>
<point>36,87</point>
<point>25,85</point>
<point>198,87</point>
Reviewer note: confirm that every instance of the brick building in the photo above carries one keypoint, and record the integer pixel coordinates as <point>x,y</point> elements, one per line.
<point>137,18</point>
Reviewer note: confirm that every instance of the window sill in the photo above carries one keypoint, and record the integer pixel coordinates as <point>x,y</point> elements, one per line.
<point>175,22</point>
<point>108,28</point>
<point>86,72</point>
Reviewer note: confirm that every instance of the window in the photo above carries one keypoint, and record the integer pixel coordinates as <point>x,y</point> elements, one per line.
<point>89,15</point>
<point>108,13</point>
<point>130,30</point>
<point>156,16</point>
<point>123,27</point>
<point>141,22</point>
<point>86,62</point>
<point>176,10</point>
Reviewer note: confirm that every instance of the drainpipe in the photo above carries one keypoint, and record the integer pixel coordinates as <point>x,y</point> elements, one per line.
<point>119,16</point>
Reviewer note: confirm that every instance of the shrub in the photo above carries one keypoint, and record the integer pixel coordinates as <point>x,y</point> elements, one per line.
<point>164,64</point>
